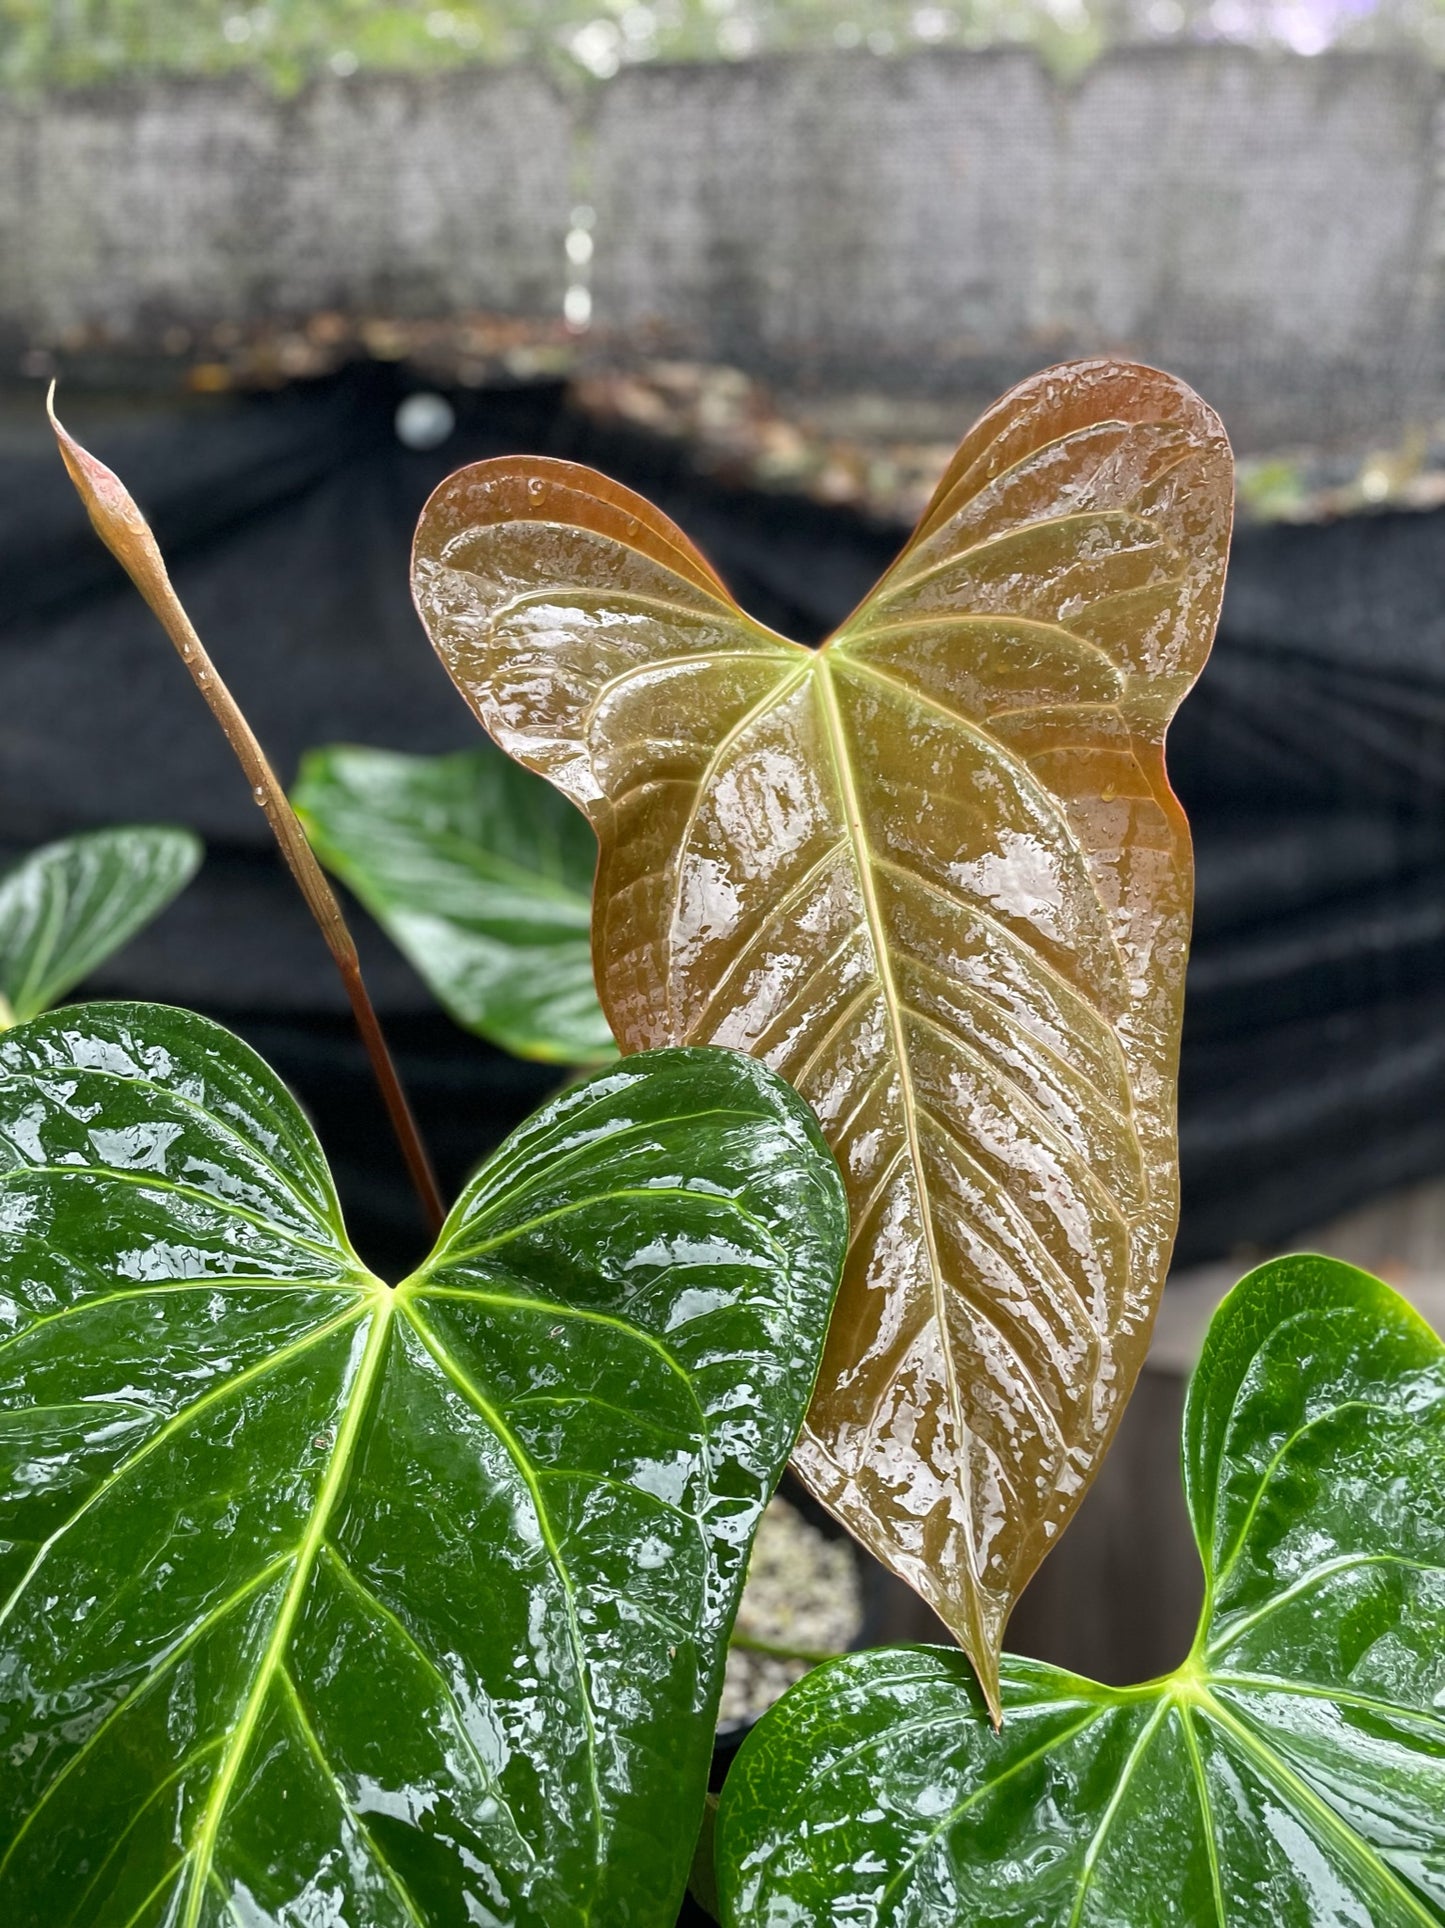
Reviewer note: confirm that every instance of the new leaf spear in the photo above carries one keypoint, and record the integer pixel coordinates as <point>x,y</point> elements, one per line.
<point>125,532</point>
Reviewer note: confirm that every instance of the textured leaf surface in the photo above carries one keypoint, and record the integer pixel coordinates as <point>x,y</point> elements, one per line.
<point>933,874</point>
<point>481,875</point>
<point>65,908</point>
<point>1290,1775</point>
<point>326,1603</point>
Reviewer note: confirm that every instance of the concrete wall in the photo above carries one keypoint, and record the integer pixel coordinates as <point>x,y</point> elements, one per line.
<point>1272,227</point>
<point>196,202</point>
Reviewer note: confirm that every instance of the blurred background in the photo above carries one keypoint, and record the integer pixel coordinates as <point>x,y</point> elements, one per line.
<point>763,260</point>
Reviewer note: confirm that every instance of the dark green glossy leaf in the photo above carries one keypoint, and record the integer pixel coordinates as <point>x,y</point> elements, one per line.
<point>482,874</point>
<point>1291,1774</point>
<point>337,1606</point>
<point>65,908</point>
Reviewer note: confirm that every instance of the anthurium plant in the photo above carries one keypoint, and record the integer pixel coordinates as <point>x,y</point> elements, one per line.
<point>329,1598</point>
<point>1290,1771</point>
<point>67,907</point>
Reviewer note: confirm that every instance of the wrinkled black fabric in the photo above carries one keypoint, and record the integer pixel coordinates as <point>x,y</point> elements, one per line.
<point>1311,760</point>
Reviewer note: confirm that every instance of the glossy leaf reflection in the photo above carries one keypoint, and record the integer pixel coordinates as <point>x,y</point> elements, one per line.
<point>326,1603</point>
<point>1290,1775</point>
<point>933,874</point>
<point>482,875</point>
<point>67,907</point>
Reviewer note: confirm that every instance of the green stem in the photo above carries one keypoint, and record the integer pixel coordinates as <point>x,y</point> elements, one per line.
<point>7,1012</point>
<point>777,1650</point>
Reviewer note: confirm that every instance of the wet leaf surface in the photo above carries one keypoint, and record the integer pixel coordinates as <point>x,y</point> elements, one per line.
<point>1291,1773</point>
<point>481,875</point>
<point>934,875</point>
<point>323,1602</point>
<point>66,908</point>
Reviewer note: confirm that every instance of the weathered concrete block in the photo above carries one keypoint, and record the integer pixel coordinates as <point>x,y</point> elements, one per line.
<point>841,215</point>
<point>197,203</point>
<point>1273,228</point>
<point>1267,226</point>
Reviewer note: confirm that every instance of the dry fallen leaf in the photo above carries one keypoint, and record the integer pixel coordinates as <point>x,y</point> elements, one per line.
<point>934,875</point>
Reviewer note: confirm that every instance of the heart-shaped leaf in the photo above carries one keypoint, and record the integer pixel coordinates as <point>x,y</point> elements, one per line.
<point>328,1602</point>
<point>482,875</point>
<point>67,907</point>
<point>932,874</point>
<point>1291,1774</point>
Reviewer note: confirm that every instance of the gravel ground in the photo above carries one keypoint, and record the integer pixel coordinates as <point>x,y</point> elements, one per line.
<point>801,1604</point>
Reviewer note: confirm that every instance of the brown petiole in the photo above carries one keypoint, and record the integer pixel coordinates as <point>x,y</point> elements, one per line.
<point>125,532</point>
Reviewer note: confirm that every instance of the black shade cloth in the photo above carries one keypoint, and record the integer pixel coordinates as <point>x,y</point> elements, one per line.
<point>1311,760</point>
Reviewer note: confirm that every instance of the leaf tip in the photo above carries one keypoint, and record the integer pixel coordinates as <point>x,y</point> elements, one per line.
<point>109,504</point>
<point>986,1667</point>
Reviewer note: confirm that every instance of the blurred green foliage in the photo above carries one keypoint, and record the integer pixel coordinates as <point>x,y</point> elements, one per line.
<point>287,42</point>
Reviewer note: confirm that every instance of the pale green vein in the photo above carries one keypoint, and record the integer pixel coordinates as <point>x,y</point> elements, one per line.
<point>172,1094</point>
<point>1389,1710</point>
<point>155,1182</point>
<point>833,1765</point>
<point>466,1214</point>
<point>177,1773</point>
<point>675,1632</point>
<point>1115,1802</point>
<point>442,853</point>
<point>153,1678</point>
<point>1353,1847</point>
<point>488,1776</point>
<point>174,1424</point>
<point>133,1921</point>
<point>639,1494</point>
<point>1235,1551</point>
<point>554,1310</point>
<point>991,1785</point>
<point>96,1408</point>
<point>1206,1812</point>
<point>457,1255</point>
<point>1346,1563</point>
<point>219,1282</point>
<point>490,1417</point>
<point>581,1397</point>
<point>41,947</point>
<point>318,1754</point>
<point>338,1469</point>
<point>227,1902</point>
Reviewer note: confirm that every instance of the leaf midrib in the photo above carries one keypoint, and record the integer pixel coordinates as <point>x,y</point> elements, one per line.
<point>883,965</point>
<point>338,1469</point>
